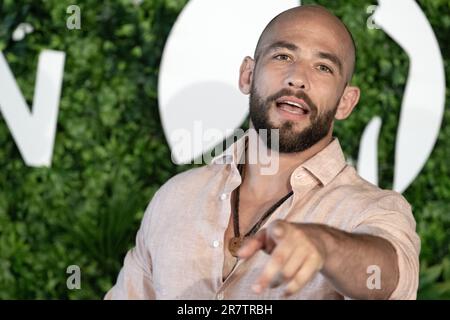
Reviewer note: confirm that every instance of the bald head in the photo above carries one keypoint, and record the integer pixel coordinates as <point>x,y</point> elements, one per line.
<point>315,21</point>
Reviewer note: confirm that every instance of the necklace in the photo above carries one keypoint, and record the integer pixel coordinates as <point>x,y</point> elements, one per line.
<point>236,242</point>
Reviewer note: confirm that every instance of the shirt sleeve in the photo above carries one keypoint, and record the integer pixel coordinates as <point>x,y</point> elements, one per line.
<point>392,219</point>
<point>135,278</point>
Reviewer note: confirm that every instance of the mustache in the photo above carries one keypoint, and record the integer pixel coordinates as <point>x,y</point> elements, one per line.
<point>299,95</point>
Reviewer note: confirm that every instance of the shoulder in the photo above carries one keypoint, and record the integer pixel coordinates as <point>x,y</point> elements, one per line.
<point>362,201</point>
<point>189,182</point>
<point>181,190</point>
<point>176,195</point>
<point>358,190</point>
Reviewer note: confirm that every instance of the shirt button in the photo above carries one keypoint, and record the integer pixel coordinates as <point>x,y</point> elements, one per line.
<point>220,296</point>
<point>223,196</point>
<point>215,243</point>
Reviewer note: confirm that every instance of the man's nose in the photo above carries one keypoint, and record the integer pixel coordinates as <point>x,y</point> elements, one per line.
<point>298,78</point>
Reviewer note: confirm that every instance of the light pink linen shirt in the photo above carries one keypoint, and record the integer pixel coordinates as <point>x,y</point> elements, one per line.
<point>179,246</point>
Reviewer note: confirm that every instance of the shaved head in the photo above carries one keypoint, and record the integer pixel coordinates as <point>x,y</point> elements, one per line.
<point>318,19</point>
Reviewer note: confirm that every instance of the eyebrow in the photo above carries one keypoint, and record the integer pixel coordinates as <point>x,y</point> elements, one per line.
<point>282,45</point>
<point>323,55</point>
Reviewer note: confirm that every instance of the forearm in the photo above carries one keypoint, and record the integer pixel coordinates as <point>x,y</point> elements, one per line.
<point>352,259</point>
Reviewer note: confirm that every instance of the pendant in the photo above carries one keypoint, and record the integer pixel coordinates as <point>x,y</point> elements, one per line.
<point>234,245</point>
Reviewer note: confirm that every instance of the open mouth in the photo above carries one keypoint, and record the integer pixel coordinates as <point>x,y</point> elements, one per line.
<point>293,105</point>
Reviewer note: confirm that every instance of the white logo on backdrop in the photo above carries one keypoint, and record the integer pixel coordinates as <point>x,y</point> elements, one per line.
<point>424,97</point>
<point>33,130</point>
<point>198,79</point>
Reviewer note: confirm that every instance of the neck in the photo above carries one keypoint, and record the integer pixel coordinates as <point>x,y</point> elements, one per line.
<point>268,172</point>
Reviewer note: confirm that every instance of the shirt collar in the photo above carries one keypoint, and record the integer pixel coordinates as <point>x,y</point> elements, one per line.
<point>324,165</point>
<point>327,163</point>
<point>234,153</point>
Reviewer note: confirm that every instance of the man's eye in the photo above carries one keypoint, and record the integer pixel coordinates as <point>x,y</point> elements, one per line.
<point>282,57</point>
<point>324,68</point>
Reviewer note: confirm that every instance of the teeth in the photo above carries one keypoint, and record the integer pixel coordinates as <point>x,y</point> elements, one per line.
<point>294,104</point>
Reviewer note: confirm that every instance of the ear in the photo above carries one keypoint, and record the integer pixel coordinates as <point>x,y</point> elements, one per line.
<point>246,75</point>
<point>348,101</point>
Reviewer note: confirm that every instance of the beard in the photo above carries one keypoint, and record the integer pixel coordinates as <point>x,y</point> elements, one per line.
<point>289,139</point>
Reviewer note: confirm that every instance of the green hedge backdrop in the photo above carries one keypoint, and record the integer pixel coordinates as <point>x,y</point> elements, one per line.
<point>111,155</point>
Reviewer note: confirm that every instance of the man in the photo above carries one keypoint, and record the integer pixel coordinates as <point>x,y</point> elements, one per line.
<point>313,229</point>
